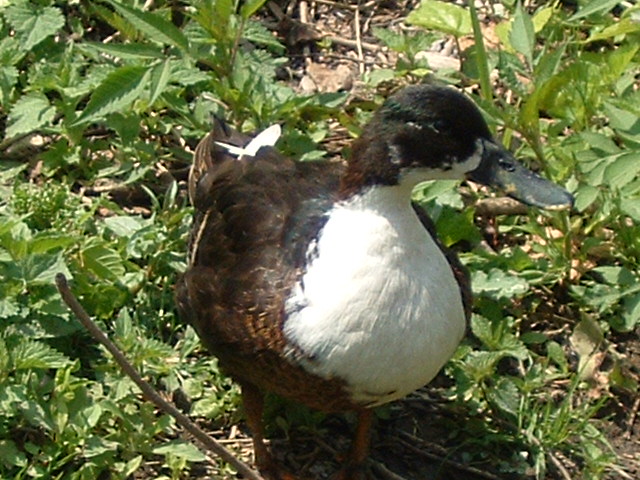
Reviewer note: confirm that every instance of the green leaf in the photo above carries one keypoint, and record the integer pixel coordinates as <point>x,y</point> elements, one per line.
<point>498,284</point>
<point>116,92</point>
<point>30,354</point>
<point>181,449</point>
<point>11,455</point>
<point>160,76</point>
<point>624,26</point>
<point>124,51</point>
<point>585,196</point>
<point>522,35</point>
<point>33,23</point>
<point>250,7</point>
<point>105,262</point>
<point>29,113</point>
<point>504,395</point>
<point>441,16</point>
<point>42,269</point>
<point>542,17</point>
<point>155,27</point>
<point>622,170</point>
<point>593,6</point>
<point>124,225</point>
<point>45,241</point>
<point>8,78</point>
<point>631,207</point>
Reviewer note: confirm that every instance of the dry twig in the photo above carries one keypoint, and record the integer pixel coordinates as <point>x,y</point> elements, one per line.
<point>148,391</point>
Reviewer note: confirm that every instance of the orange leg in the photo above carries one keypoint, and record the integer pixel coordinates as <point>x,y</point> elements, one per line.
<point>353,468</point>
<point>253,402</point>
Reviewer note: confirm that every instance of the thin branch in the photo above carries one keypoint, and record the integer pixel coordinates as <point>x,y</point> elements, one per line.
<point>357,26</point>
<point>148,391</point>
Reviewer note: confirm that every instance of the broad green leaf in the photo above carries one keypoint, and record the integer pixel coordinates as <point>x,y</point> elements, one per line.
<point>105,262</point>
<point>32,22</point>
<point>33,354</point>
<point>95,445</point>
<point>31,112</point>
<point>116,92</point>
<point>504,395</point>
<point>11,455</point>
<point>556,353</point>
<point>624,26</point>
<point>124,225</point>
<point>154,26</point>
<point>631,207</point>
<point>45,241</point>
<point>443,17</point>
<point>622,170</point>
<point>522,36</point>
<point>8,78</point>
<point>498,284</point>
<point>160,76</point>
<point>42,269</point>
<point>585,196</point>
<point>250,7</point>
<point>181,449</point>
<point>542,17</point>
<point>594,6</point>
<point>621,119</point>
<point>630,315</point>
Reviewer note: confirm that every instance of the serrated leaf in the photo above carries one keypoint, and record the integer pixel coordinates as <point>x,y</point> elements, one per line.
<point>160,76</point>
<point>504,395</point>
<point>29,113</point>
<point>443,17</point>
<point>116,92</point>
<point>33,23</point>
<point>522,35</point>
<point>155,27</point>
<point>30,354</point>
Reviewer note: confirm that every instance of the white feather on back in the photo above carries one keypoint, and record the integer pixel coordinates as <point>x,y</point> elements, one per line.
<point>267,138</point>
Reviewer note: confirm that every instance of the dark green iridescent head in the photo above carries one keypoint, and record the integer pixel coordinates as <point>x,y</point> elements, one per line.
<point>437,132</point>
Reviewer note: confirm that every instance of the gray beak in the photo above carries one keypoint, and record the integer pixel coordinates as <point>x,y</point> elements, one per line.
<point>499,169</point>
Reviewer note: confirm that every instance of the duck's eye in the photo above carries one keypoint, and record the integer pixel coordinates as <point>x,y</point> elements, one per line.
<point>506,164</point>
<point>440,125</point>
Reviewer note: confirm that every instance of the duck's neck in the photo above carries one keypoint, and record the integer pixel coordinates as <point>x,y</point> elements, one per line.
<point>368,166</point>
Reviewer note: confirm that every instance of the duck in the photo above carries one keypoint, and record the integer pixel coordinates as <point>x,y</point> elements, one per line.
<point>323,282</point>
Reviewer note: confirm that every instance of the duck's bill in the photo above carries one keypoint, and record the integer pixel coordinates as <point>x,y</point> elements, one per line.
<point>499,169</point>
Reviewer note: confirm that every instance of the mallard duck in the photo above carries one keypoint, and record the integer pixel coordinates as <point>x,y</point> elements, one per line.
<point>322,281</point>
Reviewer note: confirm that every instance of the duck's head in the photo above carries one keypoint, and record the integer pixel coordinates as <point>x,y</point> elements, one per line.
<point>427,132</point>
